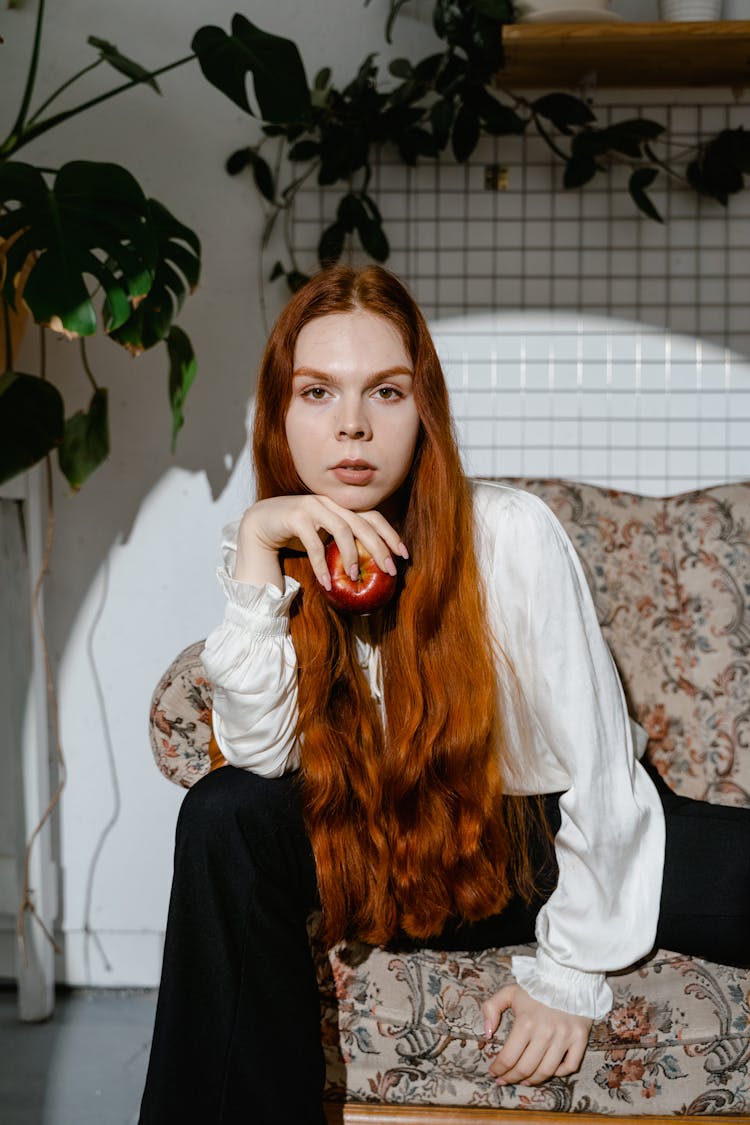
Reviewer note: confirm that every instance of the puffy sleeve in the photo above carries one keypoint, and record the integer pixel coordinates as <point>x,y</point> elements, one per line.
<point>251,663</point>
<point>603,913</point>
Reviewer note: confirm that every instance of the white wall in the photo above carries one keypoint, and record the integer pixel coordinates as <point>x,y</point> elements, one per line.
<point>132,574</point>
<point>132,577</point>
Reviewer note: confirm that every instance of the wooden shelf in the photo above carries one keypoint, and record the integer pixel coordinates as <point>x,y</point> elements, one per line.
<point>626,54</point>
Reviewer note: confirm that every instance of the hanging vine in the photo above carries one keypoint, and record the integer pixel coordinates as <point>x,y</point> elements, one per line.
<point>447,102</point>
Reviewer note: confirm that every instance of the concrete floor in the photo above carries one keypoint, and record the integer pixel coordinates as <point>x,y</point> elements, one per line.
<point>85,1066</point>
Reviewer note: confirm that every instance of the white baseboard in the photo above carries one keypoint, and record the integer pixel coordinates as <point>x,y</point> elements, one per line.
<point>134,957</point>
<point>110,959</point>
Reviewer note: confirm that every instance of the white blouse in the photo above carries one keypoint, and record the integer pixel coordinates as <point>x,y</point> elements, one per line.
<point>567,726</point>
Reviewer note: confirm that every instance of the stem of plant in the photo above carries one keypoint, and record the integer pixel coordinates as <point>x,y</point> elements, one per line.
<point>289,195</point>
<point>65,85</point>
<point>654,159</point>
<point>86,367</point>
<point>267,229</point>
<point>31,76</point>
<point>546,137</point>
<point>15,142</point>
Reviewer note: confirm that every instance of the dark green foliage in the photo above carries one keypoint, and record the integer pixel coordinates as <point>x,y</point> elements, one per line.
<point>31,421</point>
<point>177,271</point>
<point>85,443</point>
<point>182,371</point>
<point>639,181</point>
<point>721,165</point>
<point>448,99</point>
<point>92,222</point>
<point>274,63</point>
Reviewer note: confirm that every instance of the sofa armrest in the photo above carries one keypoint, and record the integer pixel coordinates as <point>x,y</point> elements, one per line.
<point>180,719</point>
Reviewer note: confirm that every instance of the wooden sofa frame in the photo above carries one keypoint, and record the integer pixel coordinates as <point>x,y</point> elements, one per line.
<point>352,1114</point>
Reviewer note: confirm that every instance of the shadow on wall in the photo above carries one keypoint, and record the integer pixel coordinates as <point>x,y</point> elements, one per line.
<point>150,597</point>
<point>131,580</point>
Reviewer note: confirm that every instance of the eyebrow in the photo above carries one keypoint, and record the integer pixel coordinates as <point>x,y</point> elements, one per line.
<point>376,377</point>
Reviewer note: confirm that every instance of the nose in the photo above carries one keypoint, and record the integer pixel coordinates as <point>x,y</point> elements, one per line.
<point>353,423</point>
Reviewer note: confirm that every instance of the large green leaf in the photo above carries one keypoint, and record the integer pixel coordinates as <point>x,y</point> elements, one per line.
<point>182,369</point>
<point>86,441</point>
<point>31,421</point>
<point>92,223</point>
<point>275,64</point>
<point>177,270</point>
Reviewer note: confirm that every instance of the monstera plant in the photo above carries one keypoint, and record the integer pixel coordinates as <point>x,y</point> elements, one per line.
<point>84,249</point>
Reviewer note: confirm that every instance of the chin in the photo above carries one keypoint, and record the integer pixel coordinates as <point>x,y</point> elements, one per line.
<point>357,498</point>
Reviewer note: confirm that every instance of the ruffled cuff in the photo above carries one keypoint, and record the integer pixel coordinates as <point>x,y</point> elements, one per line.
<point>257,605</point>
<point>558,986</point>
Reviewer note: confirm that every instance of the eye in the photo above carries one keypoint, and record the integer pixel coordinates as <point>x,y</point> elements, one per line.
<point>315,393</point>
<point>389,394</point>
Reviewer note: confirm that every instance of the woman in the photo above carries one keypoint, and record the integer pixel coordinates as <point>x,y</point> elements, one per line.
<point>405,772</point>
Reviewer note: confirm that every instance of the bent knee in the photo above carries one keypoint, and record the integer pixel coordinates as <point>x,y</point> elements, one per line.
<point>230,796</point>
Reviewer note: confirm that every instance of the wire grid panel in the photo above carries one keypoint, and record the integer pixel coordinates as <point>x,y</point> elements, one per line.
<point>596,399</point>
<point>581,339</point>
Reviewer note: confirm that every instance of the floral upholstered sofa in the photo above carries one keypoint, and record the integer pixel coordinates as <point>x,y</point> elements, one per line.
<point>671,582</point>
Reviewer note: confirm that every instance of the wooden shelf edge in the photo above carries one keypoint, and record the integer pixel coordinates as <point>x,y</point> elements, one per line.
<point>627,54</point>
<point>629,31</point>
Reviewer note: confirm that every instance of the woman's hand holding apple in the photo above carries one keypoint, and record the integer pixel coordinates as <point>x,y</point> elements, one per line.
<point>297,522</point>
<point>367,591</point>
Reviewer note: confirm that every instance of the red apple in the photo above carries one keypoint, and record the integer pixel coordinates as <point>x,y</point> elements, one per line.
<point>369,592</point>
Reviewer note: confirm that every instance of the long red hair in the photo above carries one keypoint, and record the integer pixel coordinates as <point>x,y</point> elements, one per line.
<point>407,820</point>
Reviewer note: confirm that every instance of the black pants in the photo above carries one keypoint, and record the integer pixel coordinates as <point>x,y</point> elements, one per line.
<point>237,1033</point>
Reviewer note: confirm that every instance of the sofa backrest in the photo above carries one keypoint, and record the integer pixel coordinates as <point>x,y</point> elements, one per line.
<point>670,580</point>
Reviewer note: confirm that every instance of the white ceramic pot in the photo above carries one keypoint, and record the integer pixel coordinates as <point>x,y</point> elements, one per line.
<point>690,9</point>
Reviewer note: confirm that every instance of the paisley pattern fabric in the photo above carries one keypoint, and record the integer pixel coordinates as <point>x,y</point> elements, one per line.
<point>671,584</point>
<point>180,719</point>
<point>406,1029</point>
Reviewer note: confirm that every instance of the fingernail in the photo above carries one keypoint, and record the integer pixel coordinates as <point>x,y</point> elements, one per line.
<point>354,572</point>
<point>390,566</point>
<point>500,1082</point>
<point>325,582</point>
<point>403,551</point>
<point>488,1029</point>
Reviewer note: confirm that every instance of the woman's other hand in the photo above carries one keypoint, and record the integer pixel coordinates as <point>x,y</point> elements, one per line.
<point>305,522</point>
<point>543,1042</point>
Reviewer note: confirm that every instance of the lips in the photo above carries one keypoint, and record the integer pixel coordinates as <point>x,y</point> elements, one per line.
<point>354,471</point>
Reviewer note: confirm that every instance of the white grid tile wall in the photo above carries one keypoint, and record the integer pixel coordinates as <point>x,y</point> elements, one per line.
<point>580,339</point>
